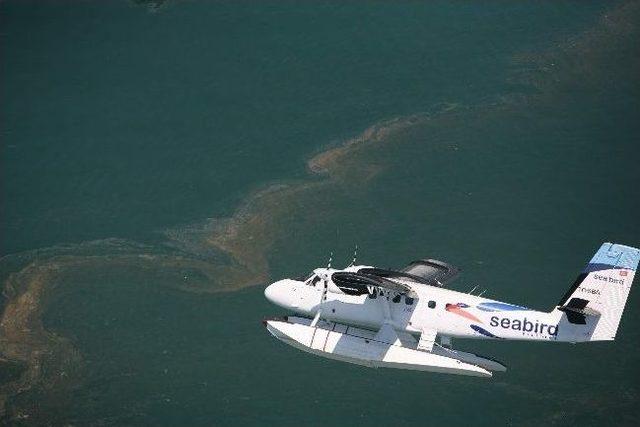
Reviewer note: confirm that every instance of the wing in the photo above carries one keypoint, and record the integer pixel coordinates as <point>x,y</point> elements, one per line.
<point>428,271</point>
<point>360,283</point>
<point>432,272</point>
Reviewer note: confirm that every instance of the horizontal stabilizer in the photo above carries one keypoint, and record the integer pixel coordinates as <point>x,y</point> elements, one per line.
<point>577,311</point>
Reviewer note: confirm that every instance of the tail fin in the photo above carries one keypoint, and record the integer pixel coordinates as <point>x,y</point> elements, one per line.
<point>602,289</point>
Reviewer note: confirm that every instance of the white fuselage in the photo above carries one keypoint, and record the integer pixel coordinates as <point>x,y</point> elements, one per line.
<point>405,319</point>
<point>449,313</point>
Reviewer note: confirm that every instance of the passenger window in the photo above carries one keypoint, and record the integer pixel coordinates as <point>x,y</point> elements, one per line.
<point>408,300</point>
<point>432,304</point>
<point>396,299</point>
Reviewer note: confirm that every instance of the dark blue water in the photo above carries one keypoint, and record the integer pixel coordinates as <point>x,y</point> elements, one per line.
<point>159,166</point>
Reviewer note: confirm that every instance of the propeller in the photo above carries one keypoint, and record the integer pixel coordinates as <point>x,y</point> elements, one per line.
<point>323,298</point>
<point>355,254</point>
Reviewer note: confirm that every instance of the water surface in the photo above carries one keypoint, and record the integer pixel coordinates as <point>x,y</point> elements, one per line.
<point>160,165</point>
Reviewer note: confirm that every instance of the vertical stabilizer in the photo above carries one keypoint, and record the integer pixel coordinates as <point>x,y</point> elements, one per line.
<point>601,290</point>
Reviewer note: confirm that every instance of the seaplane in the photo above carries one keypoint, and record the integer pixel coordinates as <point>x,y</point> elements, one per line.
<point>407,319</point>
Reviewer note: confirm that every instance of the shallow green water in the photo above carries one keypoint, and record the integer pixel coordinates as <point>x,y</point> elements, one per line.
<point>149,156</point>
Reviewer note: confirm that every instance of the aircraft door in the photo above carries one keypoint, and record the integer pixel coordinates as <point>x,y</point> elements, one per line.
<point>427,313</point>
<point>402,308</point>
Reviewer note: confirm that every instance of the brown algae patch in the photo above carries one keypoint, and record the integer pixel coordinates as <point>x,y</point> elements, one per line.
<point>335,161</point>
<point>51,365</point>
<point>583,60</point>
<point>50,361</point>
<point>219,255</point>
<point>250,233</point>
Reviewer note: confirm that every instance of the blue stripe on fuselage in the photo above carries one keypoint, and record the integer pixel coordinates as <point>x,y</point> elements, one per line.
<point>483,331</point>
<point>499,306</point>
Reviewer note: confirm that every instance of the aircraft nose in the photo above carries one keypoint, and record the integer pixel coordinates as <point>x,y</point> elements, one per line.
<point>278,293</point>
<point>270,293</point>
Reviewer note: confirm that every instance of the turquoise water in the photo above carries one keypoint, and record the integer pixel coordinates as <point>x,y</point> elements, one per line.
<point>160,166</point>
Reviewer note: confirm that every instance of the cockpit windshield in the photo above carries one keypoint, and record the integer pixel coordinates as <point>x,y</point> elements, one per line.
<point>305,278</point>
<point>313,280</point>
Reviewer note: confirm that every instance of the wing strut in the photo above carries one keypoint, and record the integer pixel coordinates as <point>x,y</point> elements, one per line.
<point>323,298</point>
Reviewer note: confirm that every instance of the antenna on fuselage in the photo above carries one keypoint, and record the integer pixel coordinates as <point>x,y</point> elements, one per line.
<point>474,289</point>
<point>355,255</point>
